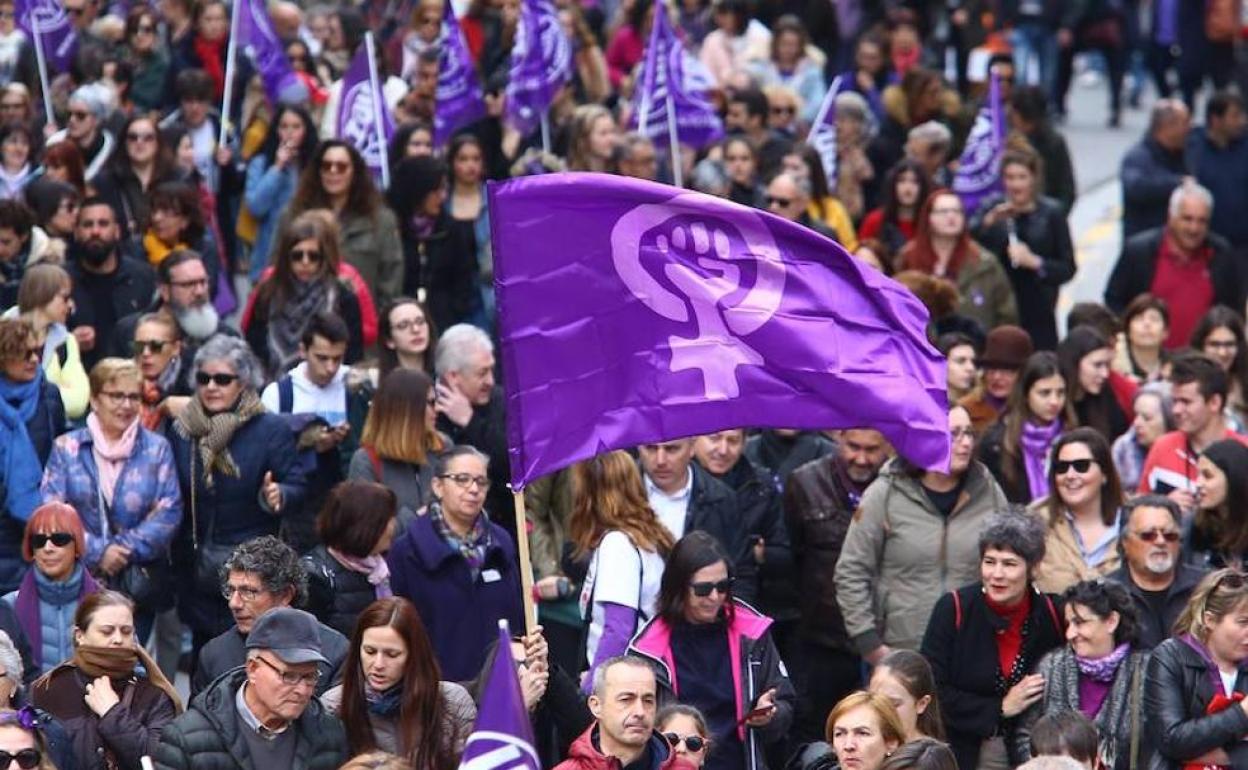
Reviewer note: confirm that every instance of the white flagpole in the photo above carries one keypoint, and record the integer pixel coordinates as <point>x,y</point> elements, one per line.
<point>546,132</point>
<point>231,54</point>
<point>375,86</point>
<point>674,139</point>
<point>828,100</point>
<point>43,68</point>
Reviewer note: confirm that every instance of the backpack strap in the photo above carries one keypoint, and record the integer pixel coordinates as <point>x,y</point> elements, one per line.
<point>957,611</point>
<point>286,395</point>
<point>1057,623</point>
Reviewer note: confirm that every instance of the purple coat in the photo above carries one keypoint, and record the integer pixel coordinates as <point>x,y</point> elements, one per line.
<point>461,614</point>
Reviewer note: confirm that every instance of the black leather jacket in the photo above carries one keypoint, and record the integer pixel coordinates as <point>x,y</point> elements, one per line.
<point>1177,692</point>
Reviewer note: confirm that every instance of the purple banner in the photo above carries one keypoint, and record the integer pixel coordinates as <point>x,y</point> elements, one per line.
<point>541,62</point>
<point>262,45</point>
<point>502,738</point>
<point>364,119</point>
<point>822,134</point>
<point>681,314</point>
<point>979,168</point>
<point>667,62</point>
<point>48,19</point>
<point>459,100</point>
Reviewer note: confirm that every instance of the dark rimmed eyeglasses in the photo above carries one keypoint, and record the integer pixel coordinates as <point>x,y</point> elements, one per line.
<point>58,539</point>
<point>26,759</point>
<point>156,346</point>
<point>1082,465</point>
<point>1158,535</point>
<point>221,379</point>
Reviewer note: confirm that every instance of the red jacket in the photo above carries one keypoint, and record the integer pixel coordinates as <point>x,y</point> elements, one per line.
<point>584,754</point>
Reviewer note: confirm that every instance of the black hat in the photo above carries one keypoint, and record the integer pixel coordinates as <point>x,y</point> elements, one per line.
<point>292,635</point>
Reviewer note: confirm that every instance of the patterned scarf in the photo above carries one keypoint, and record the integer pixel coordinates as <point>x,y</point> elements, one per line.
<point>288,320</point>
<point>215,431</point>
<point>472,547</point>
<point>1103,669</point>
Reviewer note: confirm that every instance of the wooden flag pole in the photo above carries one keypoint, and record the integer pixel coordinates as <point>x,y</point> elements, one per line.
<point>231,56</point>
<point>526,563</point>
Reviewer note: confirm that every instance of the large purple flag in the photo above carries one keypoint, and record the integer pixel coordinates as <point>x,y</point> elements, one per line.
<point>459,101</point>
<point>56,35</point>
<point>262,45</point>
<point>364,118</point>
<point>822,134</point>
<point>664,313</point>
<point>979,168</point>
<point>541,62</point>
<point>671,71</point>
<point>502,738</point>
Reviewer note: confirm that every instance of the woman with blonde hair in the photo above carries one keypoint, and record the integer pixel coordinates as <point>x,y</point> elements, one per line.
<point>593,139</point>
<point>44,299</point>
<point>613,527</point>
<point>864,730</point>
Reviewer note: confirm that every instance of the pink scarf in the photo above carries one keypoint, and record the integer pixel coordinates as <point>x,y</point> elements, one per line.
<point>373,567</point>
<point>110,456</point>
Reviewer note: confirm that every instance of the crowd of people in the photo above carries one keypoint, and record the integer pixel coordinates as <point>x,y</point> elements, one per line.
<point>253,437</point>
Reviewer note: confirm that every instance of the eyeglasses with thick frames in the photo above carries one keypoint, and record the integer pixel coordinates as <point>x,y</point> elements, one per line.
<point>1082,465</point>
<point>220,379</point>
<point>466,480</point>
<point>290,678</point>
<point>1157,535</point>
<point>117,397</point>
<point>156,346</point>
<point>58,539</point>
<point>703,590</point>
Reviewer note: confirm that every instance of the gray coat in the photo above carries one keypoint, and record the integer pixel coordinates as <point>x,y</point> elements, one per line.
<point>461,712</point>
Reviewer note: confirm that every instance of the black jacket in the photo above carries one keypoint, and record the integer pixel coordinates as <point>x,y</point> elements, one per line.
<point>446,263</point>
<point>762,517</point>
<point>1177,690</point>
<point>1151,632</point>
<point>487,431</point>
<point>336,595</point>
<point>1133,275</point>
<point>994,459</point>
<point>965,663</point>
<point>207,736</point>
<point>132,286</point>
<point>1149,174</point>
<point>781,455</point>
<point>229,651</point>
<point>1059,172</point>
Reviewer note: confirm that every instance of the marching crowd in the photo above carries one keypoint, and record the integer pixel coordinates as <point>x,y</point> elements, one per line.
<point>252,435</point>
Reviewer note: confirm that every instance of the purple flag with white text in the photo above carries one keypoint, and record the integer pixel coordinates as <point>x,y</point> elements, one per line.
<point>681,314</point>
<point>979,168</point>
<point>459,101</point>
<point>822,134</point>
<point>262,45</point>
<point>502,738</point>
<point>670,69</point>
<point>55,29</point>
<point>364,119</point>
<point>541,62</point>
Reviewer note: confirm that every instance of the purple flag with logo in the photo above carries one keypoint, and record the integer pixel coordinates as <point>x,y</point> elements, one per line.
<point>458,98</point>
<point>364,119</point>
<point>262,45</point>
<point>680,314</point>
<point>541,62</point>
<point>979,168</point>
<point>822,134</point>
<point>55,30</point>
<point>671,71</point>
<point>502,738</point>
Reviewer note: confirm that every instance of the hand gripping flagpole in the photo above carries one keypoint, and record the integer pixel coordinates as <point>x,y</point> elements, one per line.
<point>43,67</point>
<point>231,55</point>
<point>375,87</point>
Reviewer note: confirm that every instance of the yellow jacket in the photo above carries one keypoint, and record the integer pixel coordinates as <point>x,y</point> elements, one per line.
<point>832,213</point>
<point>70,378</point>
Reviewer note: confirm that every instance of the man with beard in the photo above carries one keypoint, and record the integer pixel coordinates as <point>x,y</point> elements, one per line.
<point>1160,585</point>
<point>819,499</point>
<point>182,294</point>
<point>108,285</point>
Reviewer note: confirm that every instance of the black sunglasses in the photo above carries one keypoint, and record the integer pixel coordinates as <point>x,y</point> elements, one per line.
<point>156,346</point>
<point>1153,535</point>
<point>1081,465</point>
<point>692,742</point>
<point>26,758</point>
<point>60,540</point>
<point>703,590</point>
<point>310,256</point>
<point>774,201</point>
<point>203,378</point>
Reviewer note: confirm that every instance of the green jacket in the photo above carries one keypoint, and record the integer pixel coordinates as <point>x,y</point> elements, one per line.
<point>986,294</point>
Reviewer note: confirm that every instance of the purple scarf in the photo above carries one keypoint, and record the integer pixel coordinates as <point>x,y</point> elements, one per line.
<point>1215,674</point>
<point>26,607</point>
<point>1103,669</point>
<point>1035,442</point>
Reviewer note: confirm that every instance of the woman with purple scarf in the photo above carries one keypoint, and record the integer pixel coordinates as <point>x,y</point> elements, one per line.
<point>1099,673</point>
<point>348,571</point>
<point>1194,691</point>
<point>1016,449</point>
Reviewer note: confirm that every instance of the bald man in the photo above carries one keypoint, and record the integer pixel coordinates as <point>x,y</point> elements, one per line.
<point>1154,167</point>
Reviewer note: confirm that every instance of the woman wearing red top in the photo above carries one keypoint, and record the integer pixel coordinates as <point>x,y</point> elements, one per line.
<point>905,189</point>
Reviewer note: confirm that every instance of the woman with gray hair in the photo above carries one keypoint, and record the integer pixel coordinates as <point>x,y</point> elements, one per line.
<point>984,641</point>
<point>239,473</point>
<point>1154,416</point>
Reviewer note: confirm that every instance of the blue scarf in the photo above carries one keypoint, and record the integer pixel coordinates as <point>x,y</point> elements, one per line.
<point>22,397</point>
<point>22,471</point>
<point>384,704</point>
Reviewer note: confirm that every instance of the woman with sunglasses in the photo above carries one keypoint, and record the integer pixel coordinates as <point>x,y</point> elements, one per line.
<point>685,729</point>
<point>1082,511</point>
<point>54,544</point>
<point>984,640</point>
<point>305,281</point>
<point>1196,679</point>
<point>110,695</point>
<point>157,349</point>
<point>272,176</point>
<point>1218,536</point>
<point>746,697</point>
<point>238,470</point>
<point>454,558</point>
<point>121,479</point>
<point>44,300</point>
<point>32,740</point>
<point>140,164</point>
<point>151,59</point>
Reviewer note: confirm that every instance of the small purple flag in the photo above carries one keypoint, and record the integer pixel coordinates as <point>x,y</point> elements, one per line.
<point>667,62</point>
<point>364,119</point>
<point>262,45</point>
<point>55,30</point>
<point>459,100</point>
<point>681,314</point>
<point>541,62</point>
<point>502,738</point>
<point>979,168</point>
<point>822,134</point>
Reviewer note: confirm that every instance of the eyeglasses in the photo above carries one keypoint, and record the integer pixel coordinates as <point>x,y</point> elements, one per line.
<point>692,742</point>
<point>1082,465</point>
<point>144,28</point>
<point>135,137</point>
<point>195,283</point>
<point>59,539</point>
<point>1217,345</point>
<point>411,323</point>
<point>117,397</point>
<point>782,202</point>
<point>783,110</point>
<point>961,433</point>
<point>1157,535</point>
<point>703,590</point>
<point>78,114</point>
<point>308,256</point>
<point>220,379</point>
<point>290,678</point>
<point>943,210</point>
<point>466,480</point>
<point>246,593</point>
<point>156,346</point>
<point>26,759</point>
<point>335,167</point>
